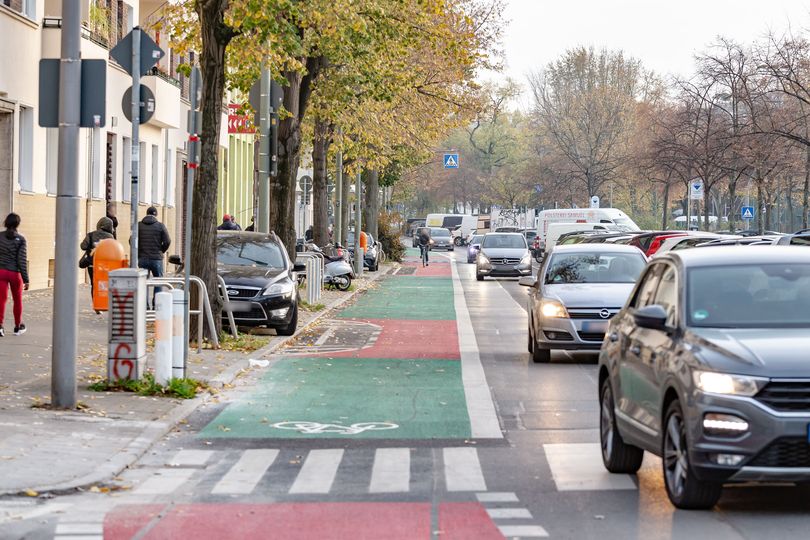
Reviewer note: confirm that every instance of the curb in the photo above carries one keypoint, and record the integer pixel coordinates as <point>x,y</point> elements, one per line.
<point>150,435</point>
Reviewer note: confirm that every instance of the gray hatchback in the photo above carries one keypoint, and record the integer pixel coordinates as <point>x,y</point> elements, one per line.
<point>706,366</point>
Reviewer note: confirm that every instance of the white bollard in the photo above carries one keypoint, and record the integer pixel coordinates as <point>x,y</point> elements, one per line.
<point>163,337</point>
<point>178,349</point>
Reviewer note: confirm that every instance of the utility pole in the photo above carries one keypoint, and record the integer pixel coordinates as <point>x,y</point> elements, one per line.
<point>263,225</point>
<point>337,232</point>
<point>193,154</point>
<point>358,254</point>
<point>65,306</point>
<point>136,145</point>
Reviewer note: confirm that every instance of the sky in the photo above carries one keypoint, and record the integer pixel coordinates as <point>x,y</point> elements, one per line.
<point>663,34</point>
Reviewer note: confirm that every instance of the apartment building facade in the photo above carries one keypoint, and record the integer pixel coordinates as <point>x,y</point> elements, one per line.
<point>30,30</point>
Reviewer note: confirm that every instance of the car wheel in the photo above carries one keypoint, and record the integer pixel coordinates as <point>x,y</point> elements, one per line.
<point>479,277</point>
<point>343,282</point>
<point>531,337</point>
<point>540,356</point>
<point>457,241</point>
<point>290,328</point>
<point>618,456</point>
<point>684,489</point>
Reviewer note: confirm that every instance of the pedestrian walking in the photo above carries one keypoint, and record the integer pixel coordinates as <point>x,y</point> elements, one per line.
<point>13,271</point>
<point>309,234</point>
<point>228,224</point>
<point>105,228</point>
<point>113,218</point>
<point>153,242</point>
<point>252,226</point>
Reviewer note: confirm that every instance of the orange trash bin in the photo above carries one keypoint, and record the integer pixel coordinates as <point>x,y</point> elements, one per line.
<point>109,256</point>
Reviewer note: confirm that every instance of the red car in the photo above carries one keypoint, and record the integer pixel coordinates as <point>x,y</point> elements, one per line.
<point>651,241</point>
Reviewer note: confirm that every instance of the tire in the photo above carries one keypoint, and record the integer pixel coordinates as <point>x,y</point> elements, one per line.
<point>531,336</point>
<point>540,356</point>
<point>342,283</point>
<point>457,241</point>
<point>538,256</point>
<point>618,456</point>
<point>479,277</point>
<point>684,489</point>
<point>290,328</point>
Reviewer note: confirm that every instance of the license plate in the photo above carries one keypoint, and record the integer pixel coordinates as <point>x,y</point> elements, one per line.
<point>594,327</point>
<point>240,307</point>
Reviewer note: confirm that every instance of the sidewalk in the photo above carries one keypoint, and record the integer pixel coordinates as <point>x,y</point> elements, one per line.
<point>44,450</point>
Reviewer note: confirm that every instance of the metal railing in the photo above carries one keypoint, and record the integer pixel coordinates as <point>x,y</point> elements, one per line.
<point>315,263</point>
<point>203,305</point>
<point>226,305</point>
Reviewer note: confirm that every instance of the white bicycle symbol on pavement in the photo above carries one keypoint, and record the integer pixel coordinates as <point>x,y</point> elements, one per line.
<point>315,428</point>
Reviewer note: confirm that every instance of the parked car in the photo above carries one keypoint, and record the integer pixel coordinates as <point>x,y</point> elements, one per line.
<point>441,239</point>
<point>742,241</point>
<point>685,242</point>
<point>706,367</point>
<point>556,230</point>
<point>503,254</point>
<point>577,290</point>
<point>473,247</point>
<point>651,241</point>
<point>413,224</point>
<point>798,239</point>
<point>260,279</point>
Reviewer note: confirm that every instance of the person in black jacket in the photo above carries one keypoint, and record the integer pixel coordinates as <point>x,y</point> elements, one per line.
<point>113,218</point>
<point>105,228</point>
<point>13,271</point>
<point>153,242</point>
<point>228,224</point>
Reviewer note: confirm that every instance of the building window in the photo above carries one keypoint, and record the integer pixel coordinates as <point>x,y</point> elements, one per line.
<point>142,173</point>
<point>109,169</point>
<point>26,7</point>
<point>126,167</point>
<point>51,160</point>
<point>26,145</point>
<point>155,169</point>
<point>169,193</point>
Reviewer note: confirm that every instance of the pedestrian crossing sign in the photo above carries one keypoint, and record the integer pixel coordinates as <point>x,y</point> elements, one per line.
<point>747,212</point>
<point>451,161</point>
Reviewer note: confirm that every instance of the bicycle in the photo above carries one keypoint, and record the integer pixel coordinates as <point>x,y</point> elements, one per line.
<point>423,251</point>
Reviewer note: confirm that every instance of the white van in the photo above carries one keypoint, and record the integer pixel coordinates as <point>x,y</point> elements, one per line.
<point>581,215</point>
<point>460,225</point>
<point>555,230</point>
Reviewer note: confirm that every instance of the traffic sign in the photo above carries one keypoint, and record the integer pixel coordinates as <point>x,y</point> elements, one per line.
<point>747,213</point>
<point>147,104</point>
<point>595,201</point>
<point>150,53</point>
<point>451,161</point>
<point>93,111</point>
<point>696,189</point>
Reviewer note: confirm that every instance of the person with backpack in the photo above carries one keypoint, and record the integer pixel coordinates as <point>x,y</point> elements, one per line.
<point>13,271</point>
<point>424,245</point>
<point>105,228</point>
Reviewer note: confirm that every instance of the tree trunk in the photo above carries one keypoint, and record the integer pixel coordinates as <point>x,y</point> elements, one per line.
<point>320,211</point>
<point>806,188</point>
<point>215,38</point>
<point>761,203</point>
<point>347,207</point>
<point>732,198</point>
<point>666,207</point>
<point>371,204</point>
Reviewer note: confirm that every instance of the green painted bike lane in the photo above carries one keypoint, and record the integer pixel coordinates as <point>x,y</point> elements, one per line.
<point>381,397</point>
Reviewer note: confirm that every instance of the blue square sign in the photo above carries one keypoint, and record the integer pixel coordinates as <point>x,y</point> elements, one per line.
<point>747,213</point>
<point>451,161</point>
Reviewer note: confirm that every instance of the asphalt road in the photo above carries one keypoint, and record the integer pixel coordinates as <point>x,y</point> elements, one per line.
<point>544,478</point>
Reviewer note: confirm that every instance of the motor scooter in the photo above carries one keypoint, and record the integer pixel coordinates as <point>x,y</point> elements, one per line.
<point>337,271</point>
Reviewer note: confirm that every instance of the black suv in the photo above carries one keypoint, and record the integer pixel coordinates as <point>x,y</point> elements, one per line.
<point>260,279</point>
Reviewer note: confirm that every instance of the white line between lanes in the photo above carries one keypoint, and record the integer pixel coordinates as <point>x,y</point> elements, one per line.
<point>578,467</point>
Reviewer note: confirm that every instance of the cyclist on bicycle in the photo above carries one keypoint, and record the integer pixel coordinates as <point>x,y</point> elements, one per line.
<point>424,245</point>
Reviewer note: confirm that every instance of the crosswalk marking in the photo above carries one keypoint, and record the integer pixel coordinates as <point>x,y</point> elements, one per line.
<point>164,481</point>
<point>578,467</point>
<point>80,528</point>
<point>523,531</point>
<point>462,470</point>
<point>190,458</point>
<point>496,497</point>
<point>391,472</point>
<point>246,473</point>
<point>509,513</point>
<point>318,472</point>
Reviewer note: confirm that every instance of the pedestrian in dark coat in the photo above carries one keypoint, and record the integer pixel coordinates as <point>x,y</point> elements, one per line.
<point>228,224</point>
<point>13,271</point>
<point>104,229</point>
<point>153,242</point>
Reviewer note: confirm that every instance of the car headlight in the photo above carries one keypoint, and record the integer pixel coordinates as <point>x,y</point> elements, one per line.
<point>483,259</point>
<point>712,382</point>
<point>527,259</point>
<point>285,288</point>
<point>553,309</point>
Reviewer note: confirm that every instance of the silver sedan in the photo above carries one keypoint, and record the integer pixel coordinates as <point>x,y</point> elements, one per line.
<point>576,292</point>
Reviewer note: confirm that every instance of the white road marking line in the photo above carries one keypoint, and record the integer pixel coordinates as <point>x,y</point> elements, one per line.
<point>509,513</point>
<point>495,497</point>
<point>246,473</point>
<point>36,512</point>
<point>80,528</point>
<point>480,407</point>
<point>391,472</point>
<point>326,335</point>
<point>164,481</point>
<point>79,537</point>
<point>318,471</point>
<point>190,458</point>
<point>523,531</point>
<point>578,467</point>
<point>462,470</point>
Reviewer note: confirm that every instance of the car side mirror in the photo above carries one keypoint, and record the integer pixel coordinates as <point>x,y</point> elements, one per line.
<point>527,281</point>
<point>175,259</point>
<point>653,317</point>
<point>298,267</point>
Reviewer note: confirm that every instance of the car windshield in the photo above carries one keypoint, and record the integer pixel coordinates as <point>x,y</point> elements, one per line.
<point>439,232</point>
<point>594,268</point>
<point>749,296</point>
<point>476,239</point>
<point>240,252</point>
<point>504,241</point>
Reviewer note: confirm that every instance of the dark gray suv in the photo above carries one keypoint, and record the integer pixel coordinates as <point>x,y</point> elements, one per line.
<point>706,366</point>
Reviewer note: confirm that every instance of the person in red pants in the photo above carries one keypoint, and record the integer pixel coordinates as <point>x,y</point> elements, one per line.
<point>13,271</point>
